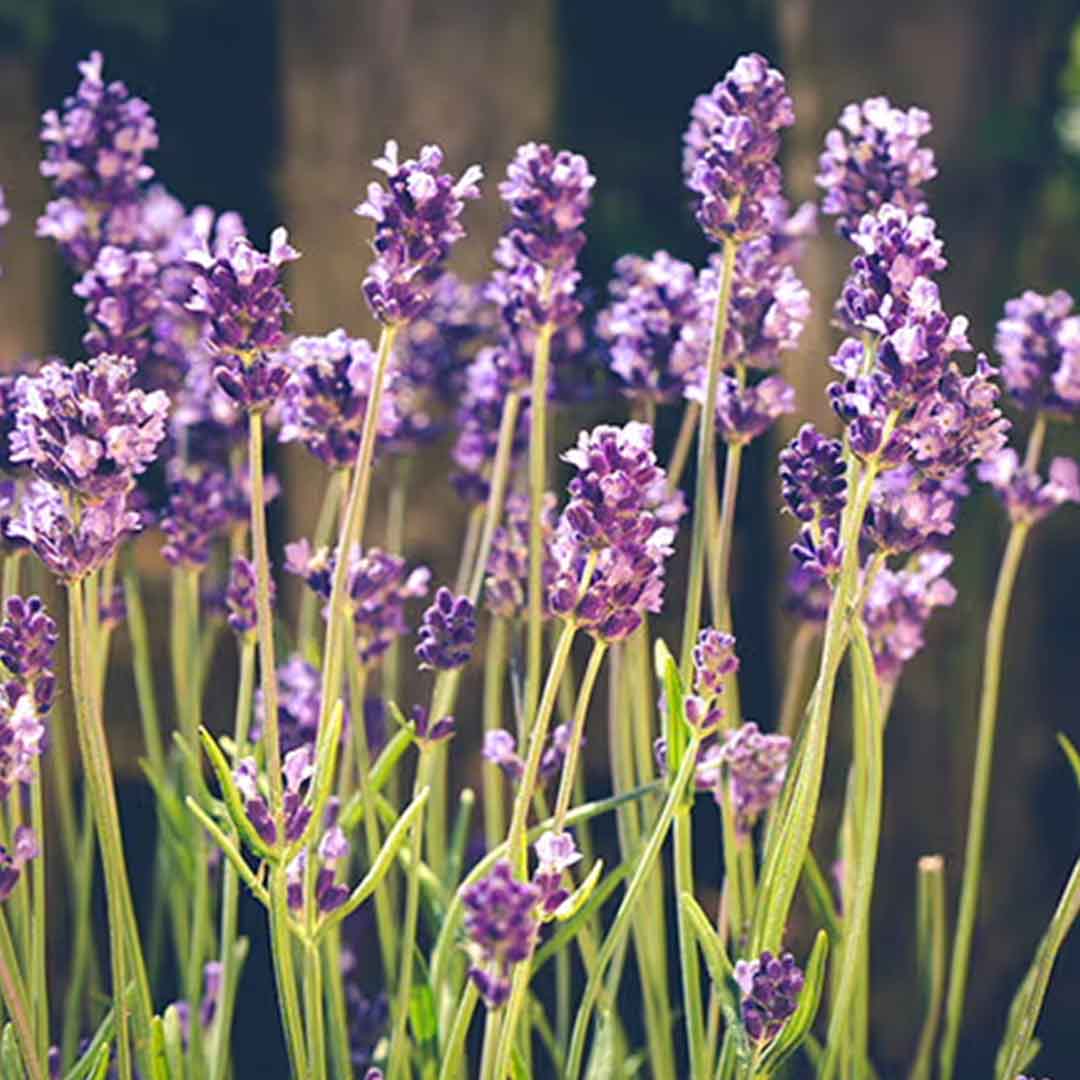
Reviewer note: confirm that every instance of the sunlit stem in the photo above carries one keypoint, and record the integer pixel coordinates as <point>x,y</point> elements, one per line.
<point>984,759</point>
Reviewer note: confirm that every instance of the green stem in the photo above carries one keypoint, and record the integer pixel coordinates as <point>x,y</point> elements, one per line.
<point>230,893</point>
<point>868,767</point>
<point>395,543</point>
<point>39,987</point>
<point>688,948</point>
<point>683,442</point>
<point>932,926</point>
<point>798,664</point>
<point>621,924</point>
<point>537,738</point>
<point>281,947</point>
<point>339,1016</point>
<point>399,1039</point>
<point>537,488</point>
<point>123,937</point>
<point>706,462</point>
<point>980,796</point>
<point>316,1022</point>
<point>494,676</point>
<point>16,1002</point>
<point>142,662</point>
<point>721,597</point>
<point>500,476</point>
<point>354,517</point>
<point>75,997</point>
<point>309,601</point>
<point>265,617</point>
<point>577,732</point>
<point>455,1044</point>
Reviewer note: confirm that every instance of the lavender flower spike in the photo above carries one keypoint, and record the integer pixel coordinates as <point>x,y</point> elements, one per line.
<point>873,157</point>
<point>770,989</point>
<point>28,637</point>
<point>756,764</point>
<point>1026,497</point>
<point>501,926</point>
<point>714,660</point>
<point>14,859</point>
<point>447,632</point>
<point>417,220</point>
<point>239,293</point>
<point>731,147</point>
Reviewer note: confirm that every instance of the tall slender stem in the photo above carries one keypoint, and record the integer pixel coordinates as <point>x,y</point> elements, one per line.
<point>39,989</point>
<point>16,1001</point>
<point>538,404</point>
<point>706,463</point>
<point>680,454</point>
<point>494,676</point>
<point>284,971</point>
<point>324,527</point>
<point>577,732</point>
<point>721,597</point>
<point>351,533</point>
<point>95,754</point>
<point>980,795</point>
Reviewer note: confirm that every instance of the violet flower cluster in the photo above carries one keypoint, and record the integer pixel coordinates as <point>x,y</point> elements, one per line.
<point>417,219</point>
<point>770,987</point>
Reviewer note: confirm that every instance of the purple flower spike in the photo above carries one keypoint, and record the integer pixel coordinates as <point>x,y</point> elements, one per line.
<point>874,157</point>
<point>548,194</point>
<point>14,859</point>
<point>72,548</point>
<point>506,586</point>
<point>501,926</point>
<point>95,148</point>
<point>770,989</point>
<point>619,495</point>
<point>86,428</point>
<point>326,397</point>
<point>1038,341</point>
<point>652,300</point>
<point>238,292</point>
<point>123,296</point>
<point>240,596</point>
<point>417,220</point>
<point>757,764</point>
<point>1026,497</point>
<point>198,511</point>
<point>813,476</point>
<point>714,661</point>
<point>28,637</point>
<point>898,607</point>
<point>447,632</point>
<point>731,146</point>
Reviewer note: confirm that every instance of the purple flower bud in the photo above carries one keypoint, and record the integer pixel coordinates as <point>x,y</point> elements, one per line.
<point>417,220</point>
<point>14,859</point>
<point>731,146</point>
<point>556,853</point>
<point>429,732</point>
<point>500,748</point>
<point>714,660</point>
<point>1038,342</point>
<point>240,598</point>
<point>1025,495</point>
<point>501,926</point>
<point>756,764</point>
<point>898,607</point>
<point>770,989</point>
<point>198,511</point>
<point>447,632</point>
<point>874,157</point>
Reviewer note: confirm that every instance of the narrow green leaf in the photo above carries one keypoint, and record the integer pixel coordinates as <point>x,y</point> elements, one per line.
<point>9,1054</point>
<point>1027,1005</point>
<point>577,899</point>
<point>159,1061</point>
<point>422,1018</point>
<point>602,1058</point>
<point>565,933</point>
<point>459,838</point>
<point>231,852</point>
<point>233,800</point>
<point>353,812</point>
<point>101,1065</point>
<point>1071,754</point>
<point>716,957</point>
<point>676,729</point>
<point>174,1042</point>
<point>380,865</point>
<point>820,896</point>
<point>798,1027</point>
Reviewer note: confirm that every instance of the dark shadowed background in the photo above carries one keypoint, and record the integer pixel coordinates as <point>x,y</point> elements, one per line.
<point>275,110</point>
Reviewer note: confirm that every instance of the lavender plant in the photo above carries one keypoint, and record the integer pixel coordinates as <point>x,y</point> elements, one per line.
<point>190,366</point>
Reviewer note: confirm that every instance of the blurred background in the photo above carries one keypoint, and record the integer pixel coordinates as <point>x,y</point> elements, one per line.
<point>276,109</point>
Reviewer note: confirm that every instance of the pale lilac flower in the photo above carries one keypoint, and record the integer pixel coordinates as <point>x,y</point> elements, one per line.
<point>1025,495</point>
<point>556,852</point>
<point>13,859</point>
<point>1038,341</point>
<point>756,764</point>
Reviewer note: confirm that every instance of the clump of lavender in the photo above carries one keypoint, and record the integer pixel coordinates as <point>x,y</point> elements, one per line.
<point>652,300</point>
<point>501,926</point>
<point>123,297</point>
<point>379,586</point>
<point>770,988</point>
<point>95,150</point>
<point>1038,341</point>
<point>239,293</point>
<point>326,398</point>
<point>730,149</point>
<point>873,157</point>
<point>417,220</point>
<point>756,765</point>
<point>898,606</point>
<point>198,510</point>
<point>447,632</point>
